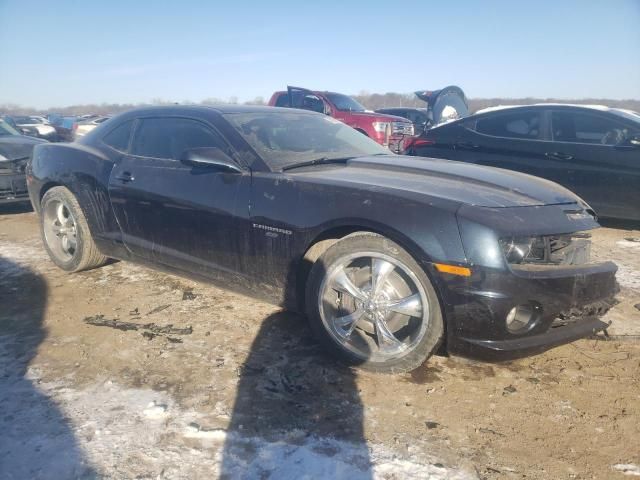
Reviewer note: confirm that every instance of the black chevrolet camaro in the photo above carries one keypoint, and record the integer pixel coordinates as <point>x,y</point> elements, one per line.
<point>390,257</point>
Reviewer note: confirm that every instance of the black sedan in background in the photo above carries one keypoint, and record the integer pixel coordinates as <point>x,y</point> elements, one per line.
<point>15,150</point>
<point>389,256</point>
<point>592,150</point>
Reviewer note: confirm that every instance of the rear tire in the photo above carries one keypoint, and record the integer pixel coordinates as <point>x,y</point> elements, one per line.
<point>65,232</point>
<point>371,304</point>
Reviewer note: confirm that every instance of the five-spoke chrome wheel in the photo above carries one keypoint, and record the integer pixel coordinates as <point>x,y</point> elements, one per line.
<point>60,229</point>
<point>373,305</point>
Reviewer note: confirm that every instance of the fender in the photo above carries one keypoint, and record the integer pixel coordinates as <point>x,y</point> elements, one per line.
<point>85,172</point>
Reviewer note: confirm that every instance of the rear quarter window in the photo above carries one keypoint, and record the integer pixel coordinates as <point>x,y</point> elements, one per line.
<point>523,125</point>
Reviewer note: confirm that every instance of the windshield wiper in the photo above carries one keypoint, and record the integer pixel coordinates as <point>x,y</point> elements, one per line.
<point>316,161</point>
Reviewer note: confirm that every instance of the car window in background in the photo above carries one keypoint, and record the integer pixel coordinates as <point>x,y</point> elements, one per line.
<point>287,139</point>
<point>523,125</point>
<point>344,103</point>
<point>118,138</point>
<point>170,137</point>
<point>282,100</point>
<point>581,127</point>
<point>6,129</point>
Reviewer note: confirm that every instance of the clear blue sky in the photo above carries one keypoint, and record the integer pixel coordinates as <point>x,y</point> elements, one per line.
<point>62,52</point>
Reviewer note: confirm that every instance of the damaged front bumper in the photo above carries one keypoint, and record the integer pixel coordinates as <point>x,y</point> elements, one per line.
<point>13,187</point>
<point>567,304</point>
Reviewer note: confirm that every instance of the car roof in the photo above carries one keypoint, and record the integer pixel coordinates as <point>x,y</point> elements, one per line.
<point>416,109</point>
<point>223,108</point>
<point>600,108</point>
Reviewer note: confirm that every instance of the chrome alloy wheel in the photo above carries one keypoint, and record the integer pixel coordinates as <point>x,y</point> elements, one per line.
<point>374,306</point>
<point>60,230</point>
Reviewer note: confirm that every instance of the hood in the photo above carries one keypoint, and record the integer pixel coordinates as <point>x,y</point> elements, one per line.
<point>383,117</point>
<point>15,147</point>
<point>458,182</point>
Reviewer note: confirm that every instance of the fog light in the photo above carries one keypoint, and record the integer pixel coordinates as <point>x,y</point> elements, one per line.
<point>523,317</point>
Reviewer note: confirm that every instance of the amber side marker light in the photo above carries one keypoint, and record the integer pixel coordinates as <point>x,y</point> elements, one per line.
<point>453,270</point>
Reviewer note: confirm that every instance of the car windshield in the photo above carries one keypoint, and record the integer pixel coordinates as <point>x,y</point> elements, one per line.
<point>344,103</point>
<point>6,129</point>
<point>285,139</point>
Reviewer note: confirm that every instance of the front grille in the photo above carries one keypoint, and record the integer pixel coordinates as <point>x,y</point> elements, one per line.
<point>568,249</point>
<point>402,128</point>
<point>12,186</point>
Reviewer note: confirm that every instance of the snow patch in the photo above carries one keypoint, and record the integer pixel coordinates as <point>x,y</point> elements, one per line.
<point>155,410</point>
<point>193,430</point>
<point>314,457</point>
<point>628,277</point>
<point>105,429</point>
<point>628,469</point>
<point>628,244</point>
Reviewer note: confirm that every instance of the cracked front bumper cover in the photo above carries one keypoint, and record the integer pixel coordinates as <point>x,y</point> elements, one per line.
<point>573,299</point>
<point>13,188</point>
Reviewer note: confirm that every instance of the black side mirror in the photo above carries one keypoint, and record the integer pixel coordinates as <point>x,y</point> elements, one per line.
<point>212,157</point>
<point>635,140</point>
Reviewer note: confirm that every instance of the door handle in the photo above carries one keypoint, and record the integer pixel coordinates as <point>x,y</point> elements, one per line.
<point>558,156</point>
<point>125,177</point>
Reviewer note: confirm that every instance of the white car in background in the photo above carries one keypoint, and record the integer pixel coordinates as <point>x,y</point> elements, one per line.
<point>39,124</point>
<point>81,128</point>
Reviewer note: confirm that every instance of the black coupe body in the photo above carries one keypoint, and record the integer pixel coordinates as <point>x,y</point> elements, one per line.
<point>592,150</point>
<point>389,256</point>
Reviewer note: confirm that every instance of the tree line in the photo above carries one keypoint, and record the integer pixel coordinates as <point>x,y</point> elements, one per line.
<point>371,101</point>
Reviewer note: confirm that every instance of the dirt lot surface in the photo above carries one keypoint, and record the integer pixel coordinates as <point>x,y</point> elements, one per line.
<point>197,382</point>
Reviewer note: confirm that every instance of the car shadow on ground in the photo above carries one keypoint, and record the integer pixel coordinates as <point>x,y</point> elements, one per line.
<point>36,440</point>
<point>297,414</point>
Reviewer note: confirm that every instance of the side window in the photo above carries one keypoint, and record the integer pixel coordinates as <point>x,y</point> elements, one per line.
<point>170,137</point>
<point>118,138</point>
<point>581,127</point>
<point>282,100</point>
<point>523,125</point>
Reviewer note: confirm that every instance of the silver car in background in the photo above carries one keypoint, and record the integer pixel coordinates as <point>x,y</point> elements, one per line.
<point>82,127</point>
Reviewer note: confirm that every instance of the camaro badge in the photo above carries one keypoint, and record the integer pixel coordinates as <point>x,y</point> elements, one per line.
<point>272,229</point>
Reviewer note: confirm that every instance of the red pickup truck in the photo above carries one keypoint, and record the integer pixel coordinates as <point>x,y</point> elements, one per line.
<point>388,130</point>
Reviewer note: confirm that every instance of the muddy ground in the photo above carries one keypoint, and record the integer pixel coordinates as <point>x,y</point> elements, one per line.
<point>238,389</point>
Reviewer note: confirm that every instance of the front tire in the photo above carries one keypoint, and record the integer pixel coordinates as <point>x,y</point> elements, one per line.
<point>370,303</point>
<point>65,232</point>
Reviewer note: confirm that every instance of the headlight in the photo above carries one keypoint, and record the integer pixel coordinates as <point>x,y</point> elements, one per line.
<point>571,249</point>
<point>3,158</point>
<point>523,249</point>
<point>381,127</point>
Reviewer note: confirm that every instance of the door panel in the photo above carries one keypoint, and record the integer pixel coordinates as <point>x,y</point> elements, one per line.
<point>603,167</point>
<point>188,217</point>
<point>509,140</point>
